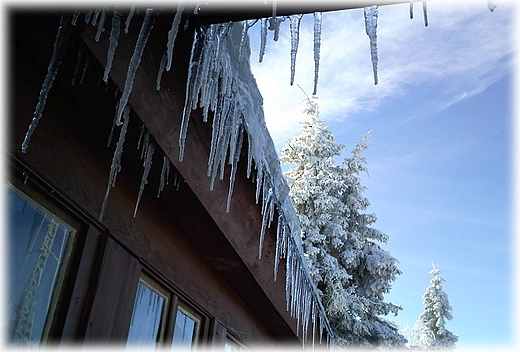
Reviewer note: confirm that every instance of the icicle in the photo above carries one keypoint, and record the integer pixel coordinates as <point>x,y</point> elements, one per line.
<point>85,68</point>
<point>75,17</point>
<point>234,158</point>
<point>172,34</point>
<point>196,10</point>
<point>249,157</point>
<point>425,13</point>
<point>135,61</point>
<point>491,5</point>
<point>267,203</point>
<point>94,19</point>
<point>146,143</point>
<point>280,234</point>
<point>411,9</point>
<point>162,65</point>
<point>259,180</point>
<point>101,24</point>
<point>60,44</point>
<point>164,174</point>
<point>313,319</point>
<point>288,280</point>
<point>273,21</point>
<point>263,39</point>
<point>129,18</point>
<point>113,127</point>
<point>144,181</point>
<point>141,134</point>
<point>295,38</point>
<point>114,37</point>
<point>87,16</point>
<point>188,101</point>
<point>276,34</point>
<point>80,55</point>
<point>116,160</point>
<point>371,30</point>
<point>175,180</point>
<point>214,139</point>
<point>242,40</point>
<point>317,44</point>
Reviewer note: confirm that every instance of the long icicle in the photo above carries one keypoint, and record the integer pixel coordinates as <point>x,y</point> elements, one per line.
<point>60,44</point>
<point>114,36</point>
<point>317,45</point>
<point>162,66</point>
<point>101,24</point>
<point>144,180</point>
<point>188,100</point>
<point>371,30</point>
<point>146,28</point>
<point>425,13</point>
<point>272,21</point>
<point>243,37</point>
<point>172,34</point>
<point>129,18</point>
<point>164,174</point>
<point>295,38</point>
<point>263,39</point>
<point>116,160</point>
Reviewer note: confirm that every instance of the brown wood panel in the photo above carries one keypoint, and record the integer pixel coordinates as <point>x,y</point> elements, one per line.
<point>85,287</point>
<point>113,302</point>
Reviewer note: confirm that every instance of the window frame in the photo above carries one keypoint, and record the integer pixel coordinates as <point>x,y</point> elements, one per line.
<point>173,304</point>
<point>161,291</point>
<point>190,312</point>
<point>31,191</point>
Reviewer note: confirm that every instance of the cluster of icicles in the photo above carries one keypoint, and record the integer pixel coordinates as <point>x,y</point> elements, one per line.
<point>220,81</point>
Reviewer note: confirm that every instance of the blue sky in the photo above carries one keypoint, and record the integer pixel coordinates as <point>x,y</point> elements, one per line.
<point>442,121</point>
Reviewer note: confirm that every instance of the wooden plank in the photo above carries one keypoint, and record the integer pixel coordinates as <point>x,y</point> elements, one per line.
<point>85,287</point>
<point>113,302</point>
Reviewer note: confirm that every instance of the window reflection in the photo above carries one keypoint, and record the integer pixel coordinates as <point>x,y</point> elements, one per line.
<point>37,247</point>
<point>146,324</point>
<point>186,328</point>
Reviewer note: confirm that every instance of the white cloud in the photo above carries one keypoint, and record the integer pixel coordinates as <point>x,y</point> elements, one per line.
<point>464,49</point>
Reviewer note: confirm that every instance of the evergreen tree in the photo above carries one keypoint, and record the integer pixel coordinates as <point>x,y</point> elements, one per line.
<point>429,332</point>
<point>351,271</point>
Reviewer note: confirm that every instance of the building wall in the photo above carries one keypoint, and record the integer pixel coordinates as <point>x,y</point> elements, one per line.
<point>69,159</point>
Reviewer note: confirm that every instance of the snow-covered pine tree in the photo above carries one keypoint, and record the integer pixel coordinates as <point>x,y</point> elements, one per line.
<point>351,271</point>
<point>429,332</point>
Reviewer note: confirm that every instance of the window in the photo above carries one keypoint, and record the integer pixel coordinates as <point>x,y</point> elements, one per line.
<point>148,317</point>
<point>161,318</point>
<point>38,248</point>
<point>187,325</point>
